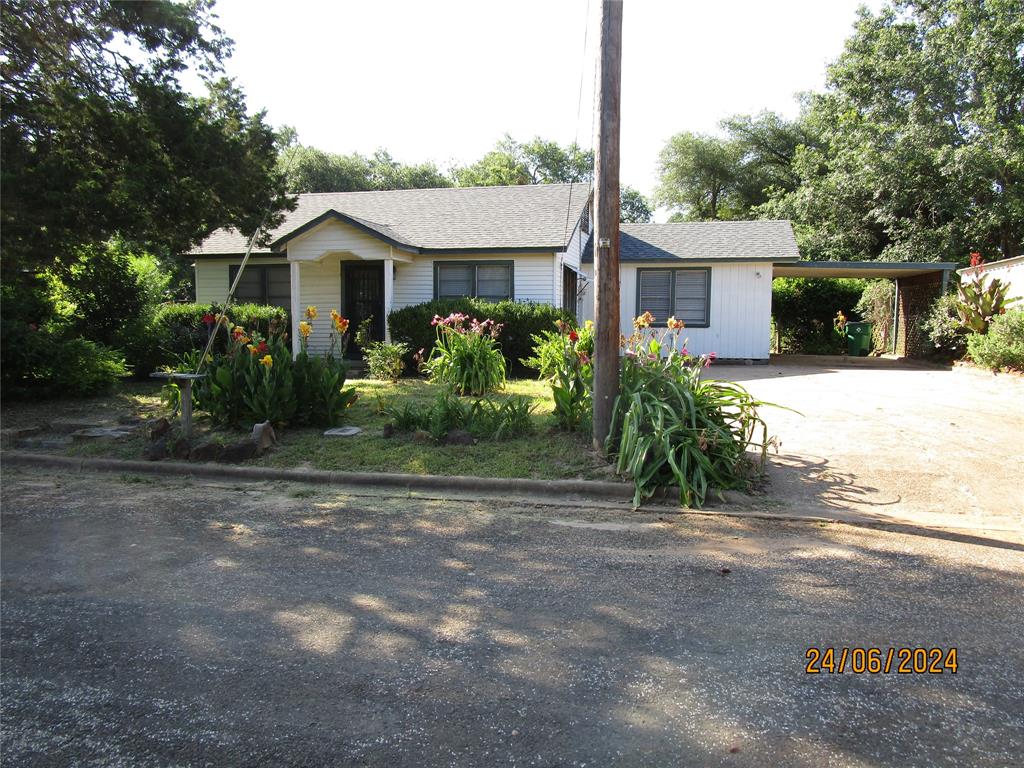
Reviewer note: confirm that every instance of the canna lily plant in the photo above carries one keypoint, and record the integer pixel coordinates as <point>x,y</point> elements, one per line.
<point>673,426</point>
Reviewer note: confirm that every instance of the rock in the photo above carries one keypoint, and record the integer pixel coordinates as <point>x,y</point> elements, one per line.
<point>342,432</point>
<point>388,431</point>
<point>159,428</point>
<point>208,450</point>
<point>156,450</point>
<point>180,448</point>
<point>243,450</point>
<point>130,421</point>
<point>101,433</point>
<point>459,437</point>
<point>263,436</point>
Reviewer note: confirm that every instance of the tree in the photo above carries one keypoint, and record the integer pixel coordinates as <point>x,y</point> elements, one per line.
<point>98,138</point>
<point>634,206</point>
<point>922,137</point>
<point>535,162</point>
<point>699,177</point>
<point>309,169</point>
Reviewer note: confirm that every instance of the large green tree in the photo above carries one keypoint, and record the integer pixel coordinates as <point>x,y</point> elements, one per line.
<point>309,169</point>
<point>534,162</point>
<point>100,139</point>
<point>921,152</point>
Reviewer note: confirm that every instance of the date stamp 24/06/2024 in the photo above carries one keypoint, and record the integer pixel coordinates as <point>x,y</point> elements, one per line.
<point>874,661</point>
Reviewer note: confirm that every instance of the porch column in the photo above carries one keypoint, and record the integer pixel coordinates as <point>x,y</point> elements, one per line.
<point>296,307</point>
<point>389,294</point>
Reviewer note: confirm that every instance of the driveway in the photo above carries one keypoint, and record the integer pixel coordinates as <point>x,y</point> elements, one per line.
<point>938,448</point>
<point>159,622</point>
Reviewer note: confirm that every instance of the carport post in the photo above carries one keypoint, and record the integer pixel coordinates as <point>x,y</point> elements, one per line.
<point>895,313</point>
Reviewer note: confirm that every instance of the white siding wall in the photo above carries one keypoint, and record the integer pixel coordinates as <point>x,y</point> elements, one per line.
<point>333,237</point>
<point>320,287</point>
<point>212,276</point>
<point>414,282</point>
<point>741,307</point>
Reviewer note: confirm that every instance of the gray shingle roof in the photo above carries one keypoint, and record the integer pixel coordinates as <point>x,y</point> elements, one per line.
<point>460,218</point>
<point>705,240</point>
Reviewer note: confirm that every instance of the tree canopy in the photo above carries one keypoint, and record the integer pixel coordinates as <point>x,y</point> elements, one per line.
<point>100,139</point>
<point>915,150</point>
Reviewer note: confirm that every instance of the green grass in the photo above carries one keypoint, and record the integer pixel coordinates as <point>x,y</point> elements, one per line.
<point>545,454</point>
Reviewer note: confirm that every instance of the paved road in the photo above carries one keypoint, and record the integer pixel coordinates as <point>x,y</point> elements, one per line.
<point>164,622</point>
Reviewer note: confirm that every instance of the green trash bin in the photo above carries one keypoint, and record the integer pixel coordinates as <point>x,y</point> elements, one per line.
<point>858,339</point>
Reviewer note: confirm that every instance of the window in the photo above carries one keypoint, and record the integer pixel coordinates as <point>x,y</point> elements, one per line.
<point>681,293</point>
<point>263,285</point>
<point>491,280</point>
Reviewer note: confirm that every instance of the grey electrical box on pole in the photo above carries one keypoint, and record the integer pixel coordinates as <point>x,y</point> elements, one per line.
<point>606,226</point>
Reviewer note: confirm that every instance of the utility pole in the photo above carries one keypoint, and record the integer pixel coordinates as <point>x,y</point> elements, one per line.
<point>606,227</point>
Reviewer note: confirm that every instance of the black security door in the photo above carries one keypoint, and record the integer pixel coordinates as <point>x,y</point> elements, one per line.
<point>363,285</point>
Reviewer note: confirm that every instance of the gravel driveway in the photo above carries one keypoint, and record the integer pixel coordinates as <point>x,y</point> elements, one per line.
<point>159,622</point>
<point>936,448</point>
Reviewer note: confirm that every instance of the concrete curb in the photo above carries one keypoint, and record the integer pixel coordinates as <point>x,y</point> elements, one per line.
<point>578,488</point>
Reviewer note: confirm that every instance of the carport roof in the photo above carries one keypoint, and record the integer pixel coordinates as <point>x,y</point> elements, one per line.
<point>865,269</point>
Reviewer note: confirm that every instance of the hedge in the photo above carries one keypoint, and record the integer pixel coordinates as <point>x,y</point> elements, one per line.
<point>803,310</point>
<point>519,319</point>
<point>179,328</point>
<point>1002,345</point>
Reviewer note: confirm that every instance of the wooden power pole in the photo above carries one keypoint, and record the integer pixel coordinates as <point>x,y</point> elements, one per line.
<point>606,228</point>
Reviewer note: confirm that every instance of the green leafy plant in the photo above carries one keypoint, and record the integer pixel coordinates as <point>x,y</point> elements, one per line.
<point>466,356</point>
<point>485,418</point>
<point>672,426</point>
<point>980,300</point>
<point>1003,345</point>
<point>386,360</point>
<point>944,329</point>
<point>563,357</point>
<point>41,364</point>
<point>519,321</point>
<point>256,379</point>
<point>803,313</point>
<point>875,306</point>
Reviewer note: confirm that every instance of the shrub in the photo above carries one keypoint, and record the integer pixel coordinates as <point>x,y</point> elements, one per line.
<point>519,322</point>
<point>944,329</point>
<point>386,360</point>
<point>671,426</point>
<point>803,312</point>
<point>466,355</point>
<point>483,418</point>
<point>41,364</point>
<point>179,328</point>
<point>1003,345</point>
<point>563,358</point>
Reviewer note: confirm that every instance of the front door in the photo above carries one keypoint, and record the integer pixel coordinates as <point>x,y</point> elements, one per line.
<point>363,291</point>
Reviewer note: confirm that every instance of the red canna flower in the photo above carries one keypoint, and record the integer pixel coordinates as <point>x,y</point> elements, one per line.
<point>976,260</point>
<point>209,319</point>
<point>573,336</point>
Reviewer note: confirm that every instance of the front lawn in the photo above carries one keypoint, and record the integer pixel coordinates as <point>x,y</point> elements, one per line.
<point>547,453</point>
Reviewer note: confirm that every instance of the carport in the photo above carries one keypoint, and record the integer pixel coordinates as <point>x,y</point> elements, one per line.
<point>917,285</point>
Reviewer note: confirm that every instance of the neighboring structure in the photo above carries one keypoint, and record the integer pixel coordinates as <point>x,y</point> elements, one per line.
<point>716,276</point>
<point>367,253</point>
<point>1009,271</point>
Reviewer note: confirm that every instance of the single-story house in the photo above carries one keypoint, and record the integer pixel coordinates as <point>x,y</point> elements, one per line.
<point>368,253</point>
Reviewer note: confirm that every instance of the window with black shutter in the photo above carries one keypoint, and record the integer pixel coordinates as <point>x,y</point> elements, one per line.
<point>681,293</point>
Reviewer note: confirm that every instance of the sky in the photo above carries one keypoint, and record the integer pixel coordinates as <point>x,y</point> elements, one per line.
<point>445,80</point>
